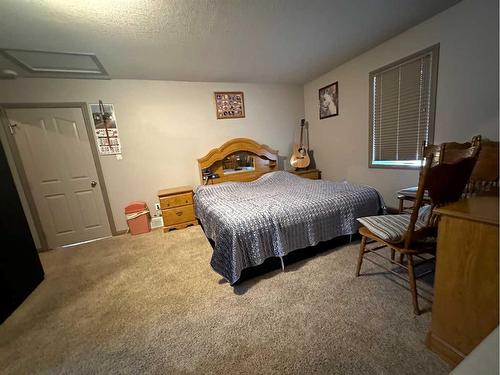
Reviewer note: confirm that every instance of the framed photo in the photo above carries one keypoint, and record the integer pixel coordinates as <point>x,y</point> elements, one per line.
<point>229,104</point>
<point>329,101</point>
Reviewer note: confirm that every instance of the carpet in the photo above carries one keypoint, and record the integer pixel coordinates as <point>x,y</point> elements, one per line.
<point>151,304</point>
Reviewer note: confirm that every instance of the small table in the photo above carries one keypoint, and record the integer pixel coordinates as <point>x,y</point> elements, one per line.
<point>313,174</point>
<point>177,207</point>
<point>409,194</point>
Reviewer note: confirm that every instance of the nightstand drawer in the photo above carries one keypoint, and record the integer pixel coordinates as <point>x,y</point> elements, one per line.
<point>313,175</point>
<point>176,200</point>
<point>178,215</point>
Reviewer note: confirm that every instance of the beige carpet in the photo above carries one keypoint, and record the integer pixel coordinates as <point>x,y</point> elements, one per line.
<point>152,304</point>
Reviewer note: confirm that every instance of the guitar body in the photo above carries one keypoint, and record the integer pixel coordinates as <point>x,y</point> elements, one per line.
<point>300,157</point>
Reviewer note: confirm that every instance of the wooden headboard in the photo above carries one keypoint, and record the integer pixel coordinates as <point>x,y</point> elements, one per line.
<point>265,160</point>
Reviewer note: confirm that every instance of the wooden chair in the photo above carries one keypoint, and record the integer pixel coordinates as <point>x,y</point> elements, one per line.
<point>414,234</point>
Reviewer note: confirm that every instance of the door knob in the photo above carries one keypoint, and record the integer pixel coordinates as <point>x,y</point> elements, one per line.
<point>93,184</point>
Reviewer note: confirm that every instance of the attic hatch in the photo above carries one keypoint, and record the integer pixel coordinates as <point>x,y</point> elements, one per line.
<point>36,63</point>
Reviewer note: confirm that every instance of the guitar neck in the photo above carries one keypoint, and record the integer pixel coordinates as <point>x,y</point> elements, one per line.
<point>301,131</point>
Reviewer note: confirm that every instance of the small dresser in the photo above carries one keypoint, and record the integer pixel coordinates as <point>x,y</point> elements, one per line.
<point>313,174</point>
<point>177,207</point>
<point>465,307</point>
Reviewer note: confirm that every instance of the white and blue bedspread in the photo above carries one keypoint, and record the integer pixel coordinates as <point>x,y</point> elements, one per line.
<point>276,214</point>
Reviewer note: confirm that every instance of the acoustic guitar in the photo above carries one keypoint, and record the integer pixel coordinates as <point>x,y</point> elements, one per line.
<point>300,156</point>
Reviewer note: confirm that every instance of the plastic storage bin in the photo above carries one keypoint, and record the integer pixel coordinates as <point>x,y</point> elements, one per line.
<point>138,217</point>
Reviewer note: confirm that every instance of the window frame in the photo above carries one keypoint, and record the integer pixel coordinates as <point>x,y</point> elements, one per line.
<point>434,50</point>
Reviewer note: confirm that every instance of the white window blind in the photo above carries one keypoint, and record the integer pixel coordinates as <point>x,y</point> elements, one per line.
<point>401,102</point>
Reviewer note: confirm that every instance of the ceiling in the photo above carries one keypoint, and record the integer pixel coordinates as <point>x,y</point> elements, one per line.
<point>285,41</point>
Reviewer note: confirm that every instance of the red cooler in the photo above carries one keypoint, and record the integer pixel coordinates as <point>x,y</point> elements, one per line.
<point>138,217</point>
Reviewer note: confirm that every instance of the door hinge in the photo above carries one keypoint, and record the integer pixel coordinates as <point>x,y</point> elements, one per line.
<point>11,127</point>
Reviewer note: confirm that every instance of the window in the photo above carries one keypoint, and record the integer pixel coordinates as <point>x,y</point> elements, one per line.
<point>402,103</point>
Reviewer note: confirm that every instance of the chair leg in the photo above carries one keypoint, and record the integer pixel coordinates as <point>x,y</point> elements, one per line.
<point>401,258</point>
<point>413,284</point>
<point>361,254</point>
<point>393,254</point>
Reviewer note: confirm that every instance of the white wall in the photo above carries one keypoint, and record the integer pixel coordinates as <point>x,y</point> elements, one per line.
<point>166,126</point>
<point>467,93</point>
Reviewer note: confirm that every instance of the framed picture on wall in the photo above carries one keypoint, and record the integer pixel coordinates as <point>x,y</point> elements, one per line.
<point>230,104</point>
<point>329,101</point>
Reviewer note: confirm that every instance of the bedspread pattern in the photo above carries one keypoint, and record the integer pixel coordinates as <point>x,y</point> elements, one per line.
<point>276,214</point>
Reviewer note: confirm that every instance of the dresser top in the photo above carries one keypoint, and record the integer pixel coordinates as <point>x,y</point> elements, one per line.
<point>176,190</point>
<point>481,208</point>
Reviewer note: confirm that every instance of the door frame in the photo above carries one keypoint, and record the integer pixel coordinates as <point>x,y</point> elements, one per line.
<point>4,121</point>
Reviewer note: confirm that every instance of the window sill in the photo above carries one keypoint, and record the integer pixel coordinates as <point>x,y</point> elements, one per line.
<point>392,166</point>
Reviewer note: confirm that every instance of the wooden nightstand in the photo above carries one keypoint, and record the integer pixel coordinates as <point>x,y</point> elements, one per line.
<point>177,207</point>
<point>313,174</point>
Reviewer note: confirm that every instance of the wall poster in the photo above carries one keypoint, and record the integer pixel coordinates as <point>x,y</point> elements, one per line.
<point>108,141</point>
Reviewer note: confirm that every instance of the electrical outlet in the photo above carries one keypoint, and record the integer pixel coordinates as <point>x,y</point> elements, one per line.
<point>157,206</point>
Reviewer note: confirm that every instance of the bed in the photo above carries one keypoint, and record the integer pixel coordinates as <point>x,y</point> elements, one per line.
<point>273,212</point>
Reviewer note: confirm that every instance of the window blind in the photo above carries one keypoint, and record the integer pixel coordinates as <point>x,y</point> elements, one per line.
<point>400,118</point>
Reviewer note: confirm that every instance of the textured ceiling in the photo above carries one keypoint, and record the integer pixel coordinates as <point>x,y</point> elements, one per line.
<point>289,41</point>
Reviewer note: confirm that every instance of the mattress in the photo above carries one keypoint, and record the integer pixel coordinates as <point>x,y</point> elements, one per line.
<point>276,214</point>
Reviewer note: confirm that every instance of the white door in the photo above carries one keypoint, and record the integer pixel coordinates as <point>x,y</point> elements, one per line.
<point>55,153</point>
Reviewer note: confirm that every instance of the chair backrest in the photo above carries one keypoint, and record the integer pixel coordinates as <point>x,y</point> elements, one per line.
<point>444,182</point>
<point>485,174</point>
<point>450,152</point>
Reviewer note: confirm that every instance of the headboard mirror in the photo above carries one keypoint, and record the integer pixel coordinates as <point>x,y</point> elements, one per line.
<point>239,162</point>
<point>240,159</point>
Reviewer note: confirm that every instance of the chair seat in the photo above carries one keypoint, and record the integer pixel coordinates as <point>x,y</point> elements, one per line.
<point>391,228</point>
<point>426,245</point>
<point>411,192</point>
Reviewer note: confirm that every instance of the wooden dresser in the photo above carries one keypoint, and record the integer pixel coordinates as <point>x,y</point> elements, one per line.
<point>313,174</point>
<point>177,207</point>
<point>465,307</point>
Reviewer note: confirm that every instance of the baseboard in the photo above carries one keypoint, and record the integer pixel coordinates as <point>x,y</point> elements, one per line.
<point>392,210</point>
<point>446,351</point>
